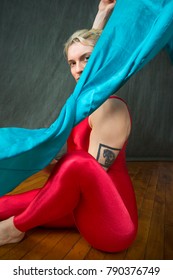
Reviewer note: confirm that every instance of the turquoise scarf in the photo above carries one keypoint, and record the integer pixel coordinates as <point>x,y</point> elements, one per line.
<point>134,34</point>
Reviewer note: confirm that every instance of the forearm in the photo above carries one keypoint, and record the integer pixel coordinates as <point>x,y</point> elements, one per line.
<point>104,10</point>
<point>100,20</point>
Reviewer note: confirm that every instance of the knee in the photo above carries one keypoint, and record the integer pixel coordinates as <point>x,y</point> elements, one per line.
<point>77,155</point>
<point>125,240</point>
<point>117,241</point>
<point>78,159</point>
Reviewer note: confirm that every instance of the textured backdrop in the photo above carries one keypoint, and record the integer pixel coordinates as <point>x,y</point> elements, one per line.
<point>35,79</point>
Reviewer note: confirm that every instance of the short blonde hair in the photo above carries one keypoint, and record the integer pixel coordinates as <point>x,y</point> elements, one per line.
<point>87,37</point>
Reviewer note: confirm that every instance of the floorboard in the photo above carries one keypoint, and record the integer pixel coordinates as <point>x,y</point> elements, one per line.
<point>153,185</point>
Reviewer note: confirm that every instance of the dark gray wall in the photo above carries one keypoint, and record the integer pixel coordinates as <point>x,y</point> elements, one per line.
<point>149,95</point>
<point>35,79</point>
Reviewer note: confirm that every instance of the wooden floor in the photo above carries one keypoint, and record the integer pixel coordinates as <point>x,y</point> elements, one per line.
<point>153,183</point>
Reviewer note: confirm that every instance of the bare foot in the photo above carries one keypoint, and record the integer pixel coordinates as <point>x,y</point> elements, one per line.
<point>9,233</point>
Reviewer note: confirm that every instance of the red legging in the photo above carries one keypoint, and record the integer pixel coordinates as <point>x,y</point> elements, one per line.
<point>78,193</point>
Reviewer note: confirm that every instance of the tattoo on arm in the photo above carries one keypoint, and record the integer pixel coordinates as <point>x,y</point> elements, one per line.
<point>106,155</point>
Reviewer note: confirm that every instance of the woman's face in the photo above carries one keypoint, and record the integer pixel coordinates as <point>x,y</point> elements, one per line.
<point>77,56</point>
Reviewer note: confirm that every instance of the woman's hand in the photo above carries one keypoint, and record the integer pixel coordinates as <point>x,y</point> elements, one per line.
<point>106,5</point>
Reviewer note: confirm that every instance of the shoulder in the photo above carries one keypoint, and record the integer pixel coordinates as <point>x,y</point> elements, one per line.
<point>113,109</point>
<point>111,120</point>
<point>113,105</point>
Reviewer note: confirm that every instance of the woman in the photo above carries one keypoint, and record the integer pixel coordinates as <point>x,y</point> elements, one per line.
<point>89,187</point>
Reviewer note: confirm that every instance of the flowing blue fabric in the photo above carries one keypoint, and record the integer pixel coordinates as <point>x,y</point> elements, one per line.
<point>134,34</point>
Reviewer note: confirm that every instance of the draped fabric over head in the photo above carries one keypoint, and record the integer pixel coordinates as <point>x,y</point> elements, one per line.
<point>134,34</point>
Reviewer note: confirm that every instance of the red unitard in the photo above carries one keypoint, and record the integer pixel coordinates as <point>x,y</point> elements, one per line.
<point>80,193</point>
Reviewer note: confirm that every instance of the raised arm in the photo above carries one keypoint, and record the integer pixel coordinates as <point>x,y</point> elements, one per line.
<point>104,9</point>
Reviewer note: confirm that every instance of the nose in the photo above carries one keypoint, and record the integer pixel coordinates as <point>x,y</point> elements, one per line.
<point>79,67</point>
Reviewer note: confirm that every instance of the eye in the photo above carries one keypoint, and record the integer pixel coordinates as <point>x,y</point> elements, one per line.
<point>71,64</point>
<point>87,57</point>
